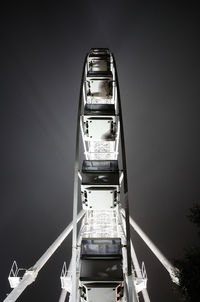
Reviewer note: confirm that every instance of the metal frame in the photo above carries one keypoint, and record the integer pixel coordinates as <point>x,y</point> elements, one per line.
<point>159,255</point>
<point>75,195</point>
<point>31,273</point>
<point>106,223</point>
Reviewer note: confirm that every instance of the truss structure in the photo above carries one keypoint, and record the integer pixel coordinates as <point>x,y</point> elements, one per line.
<point>104,265</point>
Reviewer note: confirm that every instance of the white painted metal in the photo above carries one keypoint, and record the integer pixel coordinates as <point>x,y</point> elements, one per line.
<point>66,278</point>
<point>99,295</point>
<point>102,150</point>
<point>31,274</point>
<point>121,177</point>
<point>97,147</point>
<point>75,194</point>
<point>117,140</point>
<point>101,224</point>
<point>99,128</point>
<point>63,295</point>
<point>28,278</point>
<point>141,283</point>
<point>66,275</point>
<point>137,269</point>
<point>79,176</point>
<point>138,273</point>
<point>98,90</point>
<point>99,197</point>
<point>14,277</point>
<point>165,262</point>
<point>132,294</point>
<point>104,219</point>
<point>84,143</point>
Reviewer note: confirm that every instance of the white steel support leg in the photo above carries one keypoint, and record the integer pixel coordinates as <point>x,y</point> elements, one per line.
<point>64,291</point>
<point>132,295</point>
<point>63,295</point>
<point>165,262</point>
<point>137,267</point>
<point>138,272</point>
<point>75,195</point>
<point>31,274</point>
<point>78,257</point>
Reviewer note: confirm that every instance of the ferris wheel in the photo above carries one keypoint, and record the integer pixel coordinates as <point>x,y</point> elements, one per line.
<point>104,265</point>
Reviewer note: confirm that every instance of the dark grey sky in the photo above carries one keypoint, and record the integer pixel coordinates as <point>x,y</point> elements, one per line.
<point>42,50</point>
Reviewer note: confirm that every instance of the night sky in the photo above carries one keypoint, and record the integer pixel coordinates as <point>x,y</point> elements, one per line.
<point>42,51</point>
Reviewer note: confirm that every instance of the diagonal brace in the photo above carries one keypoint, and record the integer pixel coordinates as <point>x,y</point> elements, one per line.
<point>31,274</point>
<point>165,262</point>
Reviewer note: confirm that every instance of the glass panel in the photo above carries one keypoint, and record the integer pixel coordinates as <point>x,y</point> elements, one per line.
<point>101,248</point>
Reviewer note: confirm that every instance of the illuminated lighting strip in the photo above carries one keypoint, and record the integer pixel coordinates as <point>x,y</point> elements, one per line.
<point>82,134</point>
<point>117,140</point>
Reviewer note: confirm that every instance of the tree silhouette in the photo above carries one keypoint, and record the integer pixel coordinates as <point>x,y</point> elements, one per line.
<point>189,266</point>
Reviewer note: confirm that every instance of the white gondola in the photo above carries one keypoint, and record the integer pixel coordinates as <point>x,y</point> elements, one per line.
<point>100,185</point>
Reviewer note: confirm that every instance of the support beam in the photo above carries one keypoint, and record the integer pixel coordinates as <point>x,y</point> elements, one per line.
<point>75,196</point>
<point>138,272</point>
<point>137,266</point>
<point>131,289</point>
<point>63,295</point>
<point>165,262</point>
<point>132,295</point>
<point>31,274</point>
